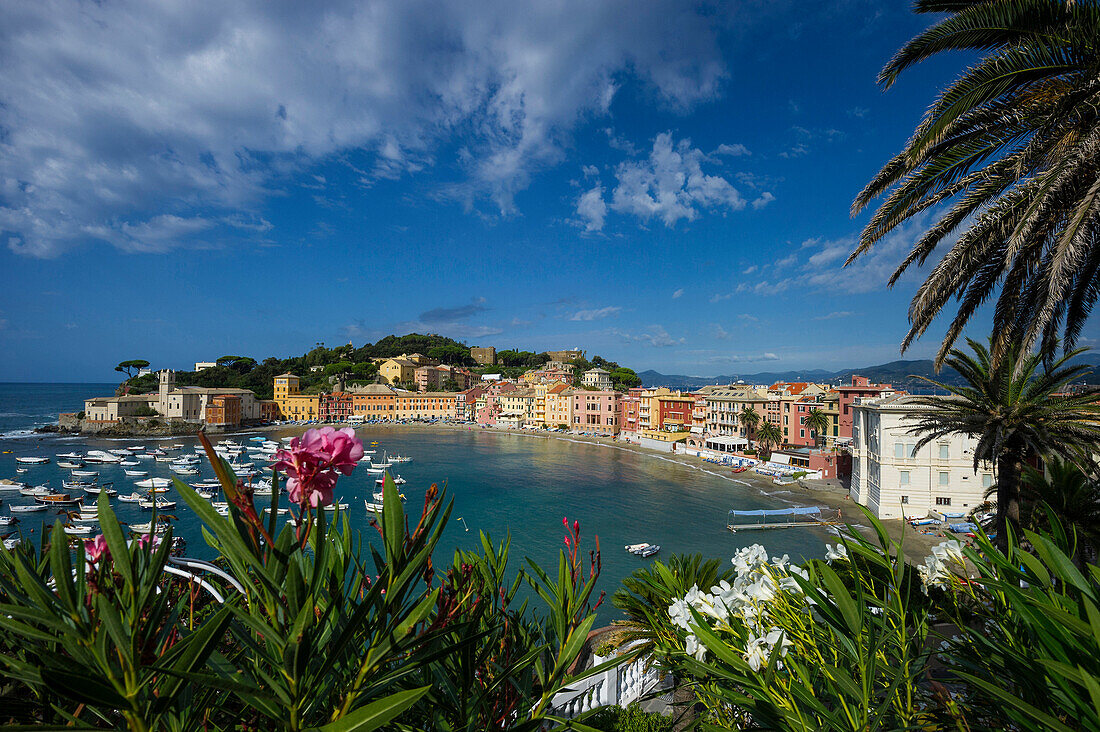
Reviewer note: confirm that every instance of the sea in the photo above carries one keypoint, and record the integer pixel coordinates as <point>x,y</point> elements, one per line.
<point>513,486</point>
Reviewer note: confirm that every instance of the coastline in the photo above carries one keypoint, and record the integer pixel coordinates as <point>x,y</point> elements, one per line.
<point>830,493</point>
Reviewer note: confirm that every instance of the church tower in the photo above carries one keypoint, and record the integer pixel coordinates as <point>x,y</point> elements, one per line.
<point>167,384</point>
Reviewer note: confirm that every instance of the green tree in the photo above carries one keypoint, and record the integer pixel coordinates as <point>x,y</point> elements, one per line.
<point>131,368</point>
<point>749,419</point>
<point>769,436</point>
<point>818,421</point>
<point>1014,407</point>
<point>1009,150</point>
<point>1072,494</point>
<point>623,378</point>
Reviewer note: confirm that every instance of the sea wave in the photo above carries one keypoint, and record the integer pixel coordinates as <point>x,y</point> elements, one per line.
<point>15,434</point>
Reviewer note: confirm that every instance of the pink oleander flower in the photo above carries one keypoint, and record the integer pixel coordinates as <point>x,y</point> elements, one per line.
<point>313,462</point>
<point>145,540</point>
<point>96,549</point>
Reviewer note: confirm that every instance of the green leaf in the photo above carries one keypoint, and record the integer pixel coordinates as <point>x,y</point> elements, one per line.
<point>376,714</point>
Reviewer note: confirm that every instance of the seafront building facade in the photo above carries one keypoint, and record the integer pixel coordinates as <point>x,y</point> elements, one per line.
<point>894,480</point>
<point>222,407</point>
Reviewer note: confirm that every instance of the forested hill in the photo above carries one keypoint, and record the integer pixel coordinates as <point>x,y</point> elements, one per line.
<point>355,365</point>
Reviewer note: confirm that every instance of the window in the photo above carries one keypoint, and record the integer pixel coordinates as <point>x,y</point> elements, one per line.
<point>899,449</point>
<point>945,452</point>
<point>905,499</point>
<point>987,481</point>
<point>943,501</point>
<point>802,433</point>
<point>903,477</point>
<point>945,478</point>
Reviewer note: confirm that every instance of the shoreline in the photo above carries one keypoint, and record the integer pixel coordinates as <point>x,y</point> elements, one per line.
<point>828,493</point>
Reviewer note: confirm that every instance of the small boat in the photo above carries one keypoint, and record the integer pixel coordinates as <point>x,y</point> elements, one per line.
<point>8,520</point>
<point>204,494</point>
<point>376,471</point>
<point>7,484</point>
<point>33,508</point>
<point>146,456</point>
<point>146,527</point>
<point>95,490</point>
<point>70,456</point>
<point>635,548</point>
<point>120,452</point>
<point>99,456</point>
<point>37,490</point>
<point>154,483</point>
<point>78,530</point>
<point>21,470</point>
<point>398,480</point>
<point>59,499</point>
<point>282,511</point>
<point>76,484</point>
<point>161,504</point>
<point>136,473</point>
<point>132,498</point>
<point>164,458</point>
<point>741,469</point>
<point>400,459</point>
<point>178,446</point>
<point>129,463</point>
<point>69,465</point>
<point>184,470</point>
<point>85,473</point>
<point>372,507</point>
<point>32,460</point>
<point>136,448</point>
<point>649,551</point>
<point>12,542</point>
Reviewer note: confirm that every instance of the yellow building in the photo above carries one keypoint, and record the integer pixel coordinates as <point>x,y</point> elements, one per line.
<point>519,405</point>
<point>302,407</point>
<point>398,371</point>
<point>429,405</point>
<point>559,406</point>
<point>374,402</point>
<point>286,386</point>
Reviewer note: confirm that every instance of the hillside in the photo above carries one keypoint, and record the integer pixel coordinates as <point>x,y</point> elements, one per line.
<point>897,373</point>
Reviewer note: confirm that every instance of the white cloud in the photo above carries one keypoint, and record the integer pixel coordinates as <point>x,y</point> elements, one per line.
<point>719,297</point>
<point>735,150</point>
<point>719,332</point>
<point>836,314</point>
<point>750,269</point>
<point>597,314</point>
<point>746,358</point>
<point>591,209</point>
<point>117,114</point>
<point>656,336</point>
<point>678,294</point>
<point>764,199</point>
<point>671,185</point>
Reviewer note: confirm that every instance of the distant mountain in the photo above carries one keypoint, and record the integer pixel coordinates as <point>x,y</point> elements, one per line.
<point>896,373</point>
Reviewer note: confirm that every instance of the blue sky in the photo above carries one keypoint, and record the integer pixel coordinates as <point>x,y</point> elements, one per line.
<point>664,183</point>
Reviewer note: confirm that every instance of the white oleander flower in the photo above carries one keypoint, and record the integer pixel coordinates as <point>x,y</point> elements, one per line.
<point>836,553</point>
<point>695,648</point>
<point>933,573</point>
<point>762,589</point>
<point>749,559</point>
<point>680,614</point>
<point>949,551</point>
<point>759,648</point>
<point>781,563</point>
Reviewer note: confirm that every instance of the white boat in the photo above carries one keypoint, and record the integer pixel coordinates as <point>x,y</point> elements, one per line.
<point>184,470</point>
<point>32,460</point>
<point>154,483</point>
<point>136,448</point>
<point>146,456</point>
<point>8,520</point>
<point>376,471</point>
<point>76,484</point>
<point>282,511</point>
<point>78,530</point>
<point>372,507</point>
<point>147,527</point>
<point>178,446</point>
<point>635,548</point>
<point>129,463</point>
<point>120,452</point>
<point>95,490</point>
<point>85,473</point>
<point>7,484</point>
<point>34,508</point>
<point>400,459</point>
<point>161,504</point>
<point>84,518</point>
<point>136,473</point>
<point>650,550</point>
<point>12,542</point>
<point>204,494</point>
<point>398,480</point>
<point>220,504</point>
<point>37,490</point>
<point>132,498</point>
<point>70,456</point>
<point>69,465</point>
<point>21,470</point>
<point>164,458</point>
<point>99,456</point>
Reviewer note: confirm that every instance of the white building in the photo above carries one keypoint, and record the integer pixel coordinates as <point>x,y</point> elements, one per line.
<point>893,482</point>
<point>200,365</point>
<point>597,378</point>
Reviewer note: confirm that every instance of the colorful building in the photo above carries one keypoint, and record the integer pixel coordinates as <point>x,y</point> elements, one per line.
<point>596,411</point>
<point>559,406</point>
<point>398,370</point>
<point>429,406</point>
<point>224,410</point>
<point>376,402</point>
<point>599,379</point>
<point>860,388</point>
<point>335,407</point>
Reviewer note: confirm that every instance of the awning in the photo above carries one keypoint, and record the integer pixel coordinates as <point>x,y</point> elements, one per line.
<point>727,440</point>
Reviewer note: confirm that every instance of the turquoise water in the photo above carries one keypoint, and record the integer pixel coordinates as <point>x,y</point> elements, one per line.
<point>499,483</point>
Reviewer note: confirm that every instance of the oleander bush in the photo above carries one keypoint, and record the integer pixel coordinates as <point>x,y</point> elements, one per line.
<point>972,639</point>
<point>307,626</point>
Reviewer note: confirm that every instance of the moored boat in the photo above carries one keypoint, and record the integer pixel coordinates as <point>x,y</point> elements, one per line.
<point>33,508</point>
<point>32,460</point>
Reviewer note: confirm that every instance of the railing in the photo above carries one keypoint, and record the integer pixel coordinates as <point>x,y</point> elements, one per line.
<point>620,685</point>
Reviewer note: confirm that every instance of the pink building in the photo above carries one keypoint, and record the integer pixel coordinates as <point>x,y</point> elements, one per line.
<point>861,386</point>
<point>795,431</point>
<point>596,411</point>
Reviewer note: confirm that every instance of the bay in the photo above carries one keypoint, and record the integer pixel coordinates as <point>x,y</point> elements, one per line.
<point>505,484</point>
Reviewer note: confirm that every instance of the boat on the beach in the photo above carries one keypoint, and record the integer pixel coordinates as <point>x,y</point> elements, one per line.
<point>32,460</point>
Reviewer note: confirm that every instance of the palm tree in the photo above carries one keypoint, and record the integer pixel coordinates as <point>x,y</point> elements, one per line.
<point>769,435</point>
<point>1012,150</point>
<point>1014,410</point>
<point>1072,495</point>
<point>818,421</point>
<point>749,419</point>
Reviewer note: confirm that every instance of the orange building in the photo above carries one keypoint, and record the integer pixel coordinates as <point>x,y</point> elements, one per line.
<point>224,410</point>
<point>375,402</point>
